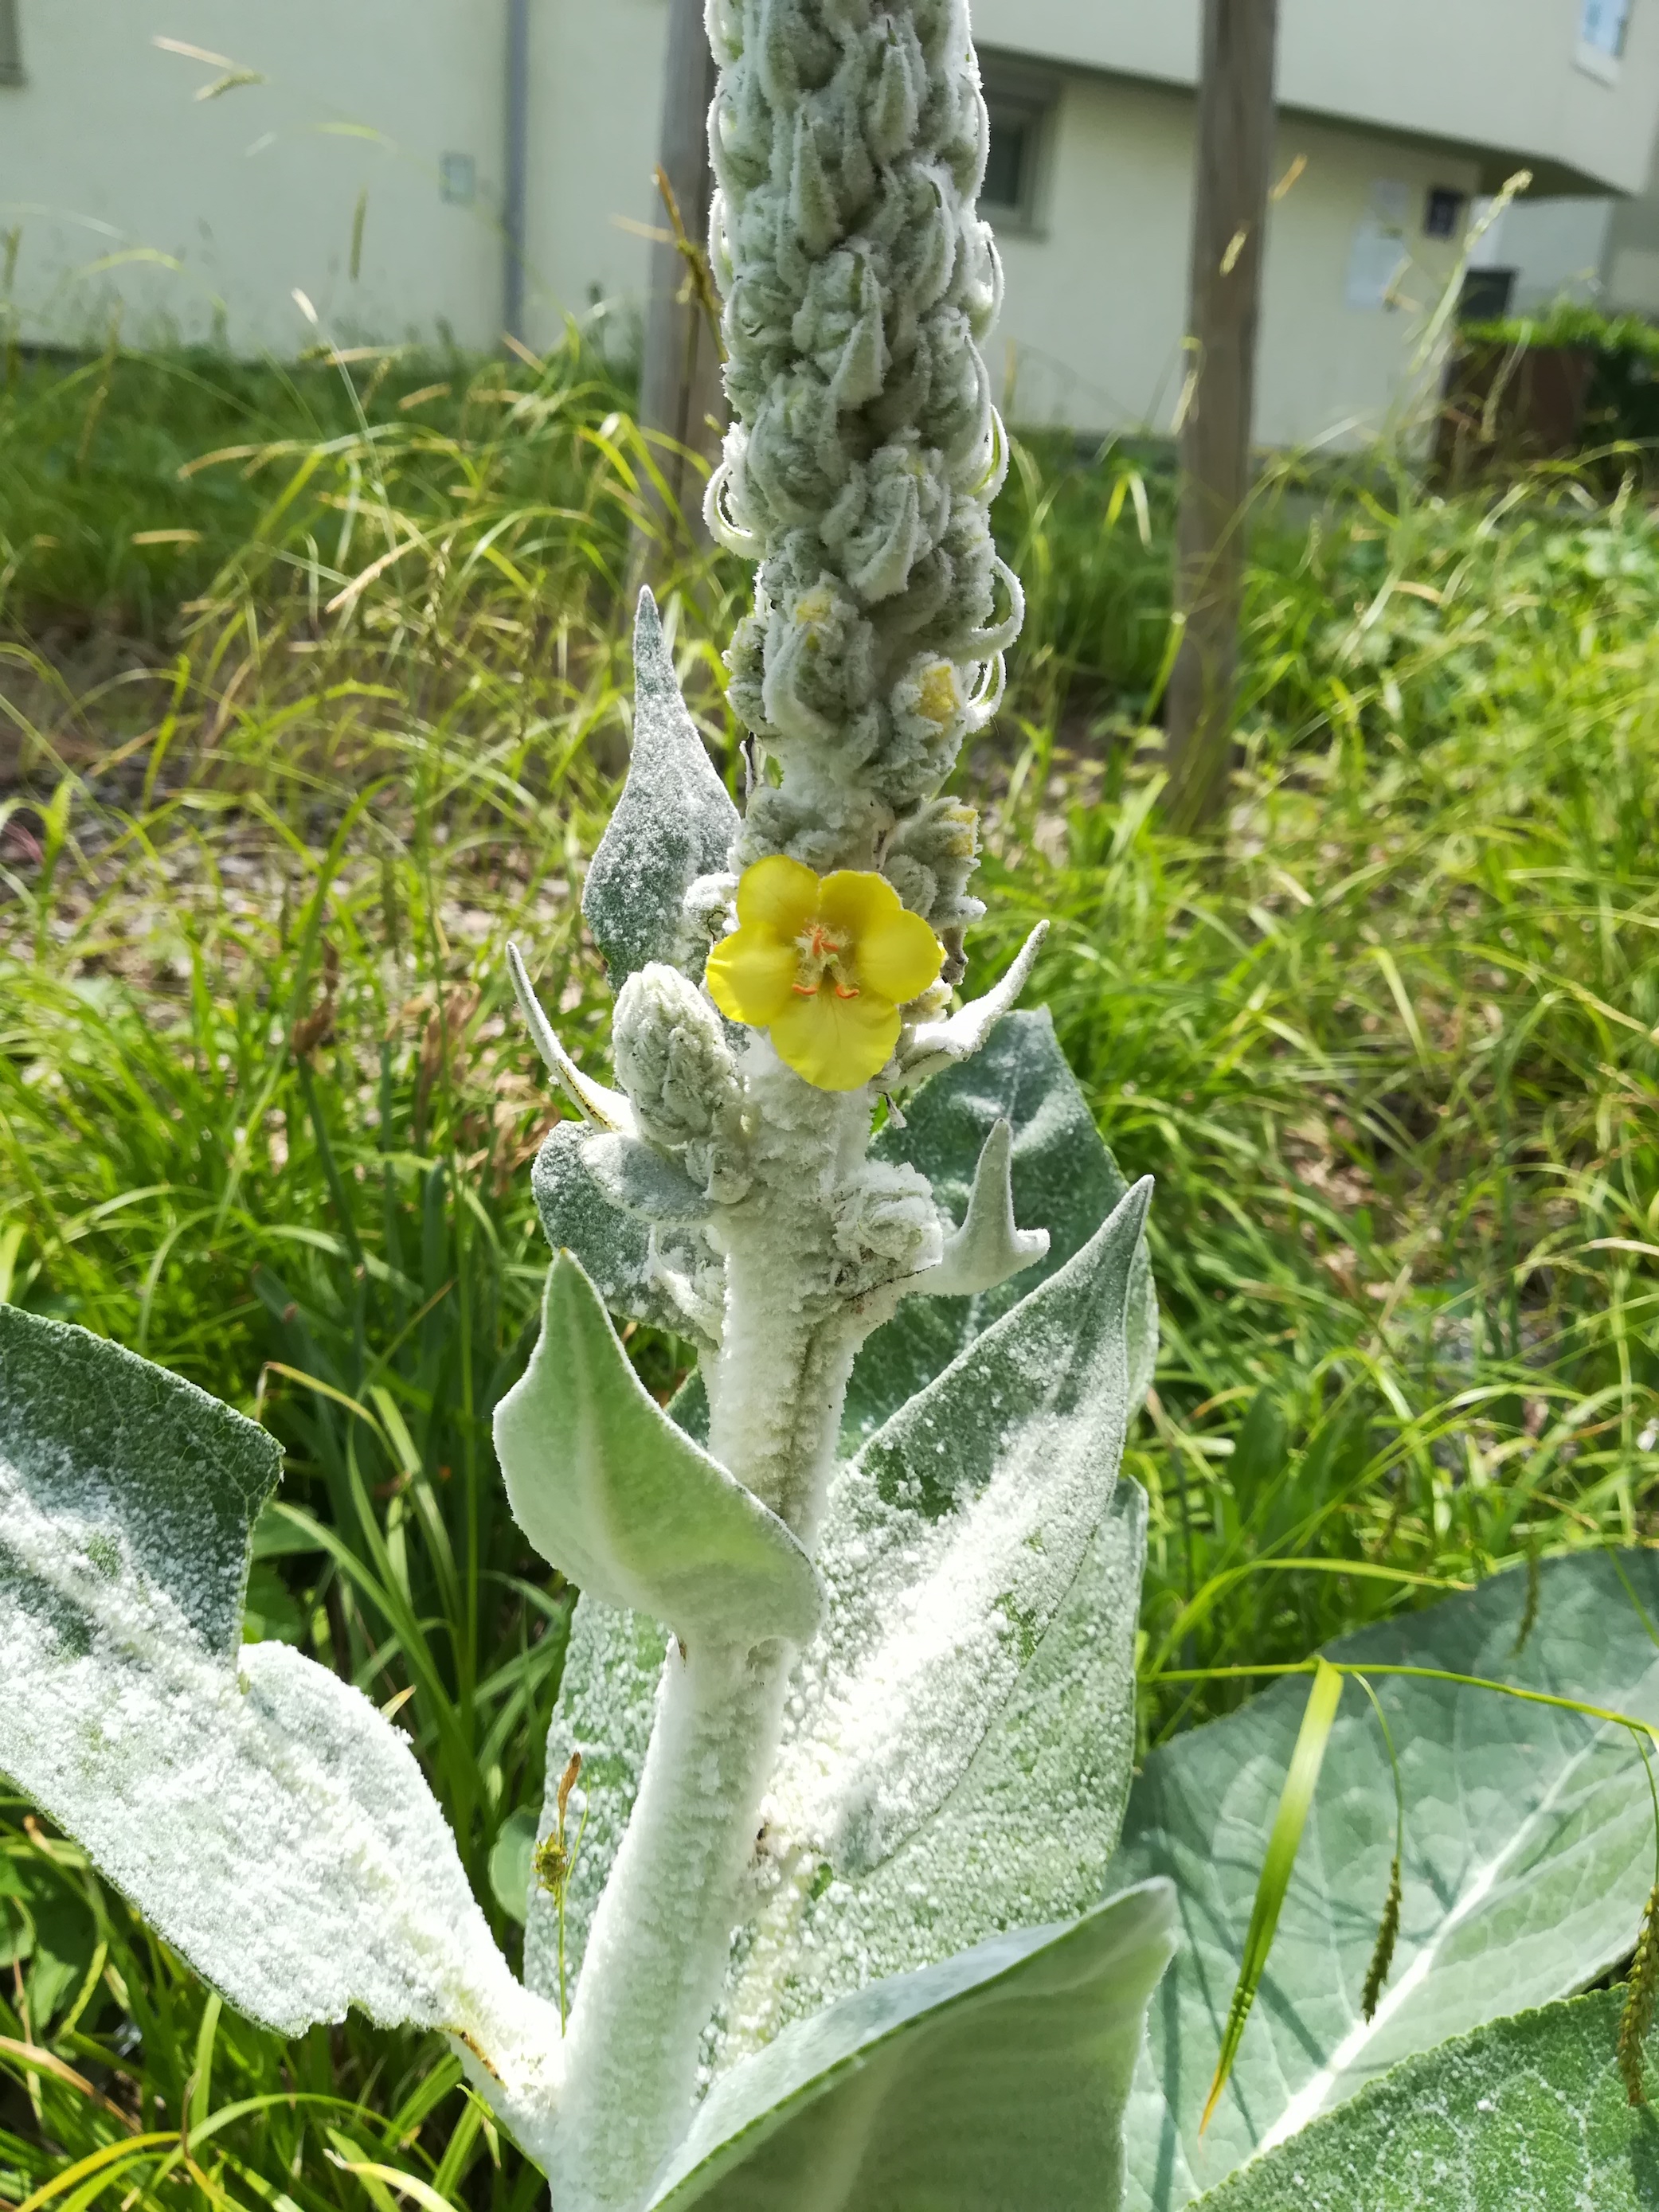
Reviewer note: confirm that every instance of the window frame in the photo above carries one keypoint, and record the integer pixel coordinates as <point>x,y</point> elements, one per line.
<point>1014,90</point>
<point>1455,200</point>
<point>1593,54</point>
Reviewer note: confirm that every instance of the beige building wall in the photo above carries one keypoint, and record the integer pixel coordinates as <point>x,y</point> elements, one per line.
<point>1504,76</point>
<point>1631,257</point>
<point>1091,330</point>
<point>1558,249</point>
<point>203,215</point>
<point>596,80</point>
<point>199,218</point>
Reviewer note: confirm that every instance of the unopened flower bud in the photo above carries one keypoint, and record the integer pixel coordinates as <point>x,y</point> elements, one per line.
<point>681,1077</point>
<point>886,1225</point>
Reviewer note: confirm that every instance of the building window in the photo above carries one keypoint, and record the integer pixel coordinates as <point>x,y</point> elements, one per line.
<point>1486,296</point>
<point>1603,26</point>
<point>11,45</point>
<point>458,180</point>
<point>1020,103</point>
<point>1443,216</point>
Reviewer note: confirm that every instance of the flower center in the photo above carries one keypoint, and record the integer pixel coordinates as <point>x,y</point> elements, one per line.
<point>822,958</point>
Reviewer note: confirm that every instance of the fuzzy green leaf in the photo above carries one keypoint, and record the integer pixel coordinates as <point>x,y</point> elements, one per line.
<point>260,1813</point>
<point>1028,1833</point>
<point>1529,2115</point>
<point>141,1464</point>
<point>951,1549</point>
<point>615,1496</point>
<point>993,2081</point>
<point>673,823</point>
<point>1064,1179</point>
<point>949,1544</point>
<point>613,1246</point>
<point>631,1177</point>
<point>1529,1854</point>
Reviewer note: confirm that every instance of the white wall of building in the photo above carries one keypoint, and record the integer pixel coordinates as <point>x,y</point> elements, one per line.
<point>1558,249</point>
<point>1095,303</point>
<point>596,81</point>
<point>1505,75</point>
<point>202,216</point>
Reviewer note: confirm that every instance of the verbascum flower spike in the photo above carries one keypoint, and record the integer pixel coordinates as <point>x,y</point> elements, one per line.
<point>823,964</point>
<point>864,452</point>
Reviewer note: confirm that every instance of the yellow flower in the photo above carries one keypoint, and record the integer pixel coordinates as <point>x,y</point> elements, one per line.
<point>825,962</point>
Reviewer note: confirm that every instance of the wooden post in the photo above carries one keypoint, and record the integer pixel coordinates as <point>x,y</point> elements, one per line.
<point>680,397</point>
<point>1235,137</point>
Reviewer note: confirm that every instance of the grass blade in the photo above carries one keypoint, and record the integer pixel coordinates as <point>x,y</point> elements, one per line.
<point>1300,1782</point>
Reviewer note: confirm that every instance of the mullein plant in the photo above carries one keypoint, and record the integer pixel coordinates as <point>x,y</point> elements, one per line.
<point>845,1726</point>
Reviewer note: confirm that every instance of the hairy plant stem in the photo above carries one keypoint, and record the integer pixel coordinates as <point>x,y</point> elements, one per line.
<point>659,1939</point>
<point>661,1934</point>
<point>776,1386</point>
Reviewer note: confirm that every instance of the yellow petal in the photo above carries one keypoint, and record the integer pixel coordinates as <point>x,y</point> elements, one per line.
<point>898,956</point>
<point>779,896</point>
<point>751,976</point>
<point>836,1044</point>
<point>854,900</point>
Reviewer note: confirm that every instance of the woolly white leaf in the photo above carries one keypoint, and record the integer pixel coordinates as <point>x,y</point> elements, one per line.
<point>263,1816</point>
<point>673,823</point>
<point>1026,1836</point>
<point>615,1496</point>
<point>150,1469</point>
<point>956,1534</point>
<point>629,1176</point>
<point>1528,2114</point>
<point>994,2080</point>
<point>631,1264</point>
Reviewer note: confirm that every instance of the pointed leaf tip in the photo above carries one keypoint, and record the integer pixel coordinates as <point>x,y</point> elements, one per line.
<point>998,2077</point>
<point>613,1495</point>
<point>935,1045</point>
<point>989,1247</point>
<point>674,822</point>
<point>610,1108</point>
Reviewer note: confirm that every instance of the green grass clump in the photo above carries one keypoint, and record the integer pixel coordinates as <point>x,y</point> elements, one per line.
<point>130,482</point>
<point>265,1110</point>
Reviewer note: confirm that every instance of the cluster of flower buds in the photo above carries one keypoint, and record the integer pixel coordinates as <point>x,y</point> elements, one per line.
<point>673,1061</point>
<point>848,140</point>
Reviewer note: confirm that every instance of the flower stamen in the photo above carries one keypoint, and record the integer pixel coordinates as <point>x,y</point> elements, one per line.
<point>822,952</point>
